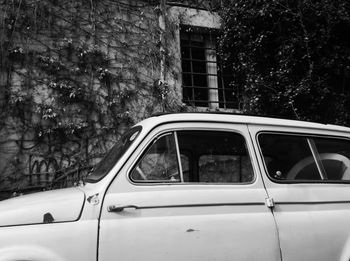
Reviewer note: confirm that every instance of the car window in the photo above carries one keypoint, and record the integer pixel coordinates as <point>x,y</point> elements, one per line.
<point>160,163</point>
<point>216,157</point>
<point>224,168</point>
<point>204,157</point>
<point>335,157</point>
<point>283,154</point>
<point>293,157</point>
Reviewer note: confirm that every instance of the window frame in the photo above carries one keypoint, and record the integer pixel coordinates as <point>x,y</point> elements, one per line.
<point>217,81</point>
<point>306,136</point>
<point>174,131</point>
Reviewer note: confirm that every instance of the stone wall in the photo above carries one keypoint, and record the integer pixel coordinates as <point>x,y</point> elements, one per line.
<point>76,74</point>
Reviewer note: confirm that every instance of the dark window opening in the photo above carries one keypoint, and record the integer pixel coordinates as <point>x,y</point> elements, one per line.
<point>205,81</point>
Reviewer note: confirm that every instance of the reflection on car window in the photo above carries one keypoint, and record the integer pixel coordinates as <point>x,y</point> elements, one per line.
<point>205,156</point>
<point>291,157</point>
<point>159,163</point>
<point>112,157</point>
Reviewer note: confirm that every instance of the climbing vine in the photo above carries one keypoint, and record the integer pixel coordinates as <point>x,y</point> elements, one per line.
<point>74,75</point>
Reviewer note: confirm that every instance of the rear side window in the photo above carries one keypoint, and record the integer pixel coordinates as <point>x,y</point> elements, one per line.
<point>195,156</point>
<point>303,158</point>
<point>335,157</point>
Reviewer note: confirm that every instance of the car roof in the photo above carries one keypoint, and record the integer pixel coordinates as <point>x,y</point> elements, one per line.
<point>237,118</point>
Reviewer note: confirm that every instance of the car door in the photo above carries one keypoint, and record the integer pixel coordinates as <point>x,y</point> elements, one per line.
<point>191,191</point>
<point>307,174</point>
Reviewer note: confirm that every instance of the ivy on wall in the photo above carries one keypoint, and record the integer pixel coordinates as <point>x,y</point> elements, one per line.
<point>74,75</point>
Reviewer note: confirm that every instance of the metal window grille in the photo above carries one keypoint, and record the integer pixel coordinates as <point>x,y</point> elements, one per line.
<point>205,81</point>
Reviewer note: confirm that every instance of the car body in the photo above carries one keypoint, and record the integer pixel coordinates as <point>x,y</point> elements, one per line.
<point>197,186</point>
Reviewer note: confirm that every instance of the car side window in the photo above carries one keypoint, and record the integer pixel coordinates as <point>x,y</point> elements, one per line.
<point>335,157</point>
<point>293,157</point>
<point>215,157</point>
<point>282,153</point>
<point>160,163</point>
<point>196,157</point>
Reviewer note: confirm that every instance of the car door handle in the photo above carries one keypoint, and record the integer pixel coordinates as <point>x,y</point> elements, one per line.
<point>119,208</point>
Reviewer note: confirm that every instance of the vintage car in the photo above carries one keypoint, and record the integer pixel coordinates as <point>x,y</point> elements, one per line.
<point>197,186</point>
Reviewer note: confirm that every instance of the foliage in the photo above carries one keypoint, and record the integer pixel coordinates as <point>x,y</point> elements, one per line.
<point>290,58</point>
<point>77,74</point>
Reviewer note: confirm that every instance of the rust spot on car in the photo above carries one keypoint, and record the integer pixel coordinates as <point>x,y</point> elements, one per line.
<point>48,218</point>
<point>191,230</point>
<point>93,199</point>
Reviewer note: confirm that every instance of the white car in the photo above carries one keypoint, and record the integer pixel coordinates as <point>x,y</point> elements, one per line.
<point>197,186</point>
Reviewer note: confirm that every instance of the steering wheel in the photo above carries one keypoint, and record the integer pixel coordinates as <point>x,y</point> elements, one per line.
<point>295,170</point>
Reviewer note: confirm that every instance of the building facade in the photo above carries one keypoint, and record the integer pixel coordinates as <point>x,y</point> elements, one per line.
<point>74,75</point>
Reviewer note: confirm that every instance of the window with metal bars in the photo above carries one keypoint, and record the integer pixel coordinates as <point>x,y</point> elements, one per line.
<point>205,81</point>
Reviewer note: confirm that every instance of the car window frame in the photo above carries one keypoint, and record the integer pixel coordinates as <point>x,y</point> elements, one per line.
<point>146,150</point>
<point>158,135</point>
<point>304,135</point>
